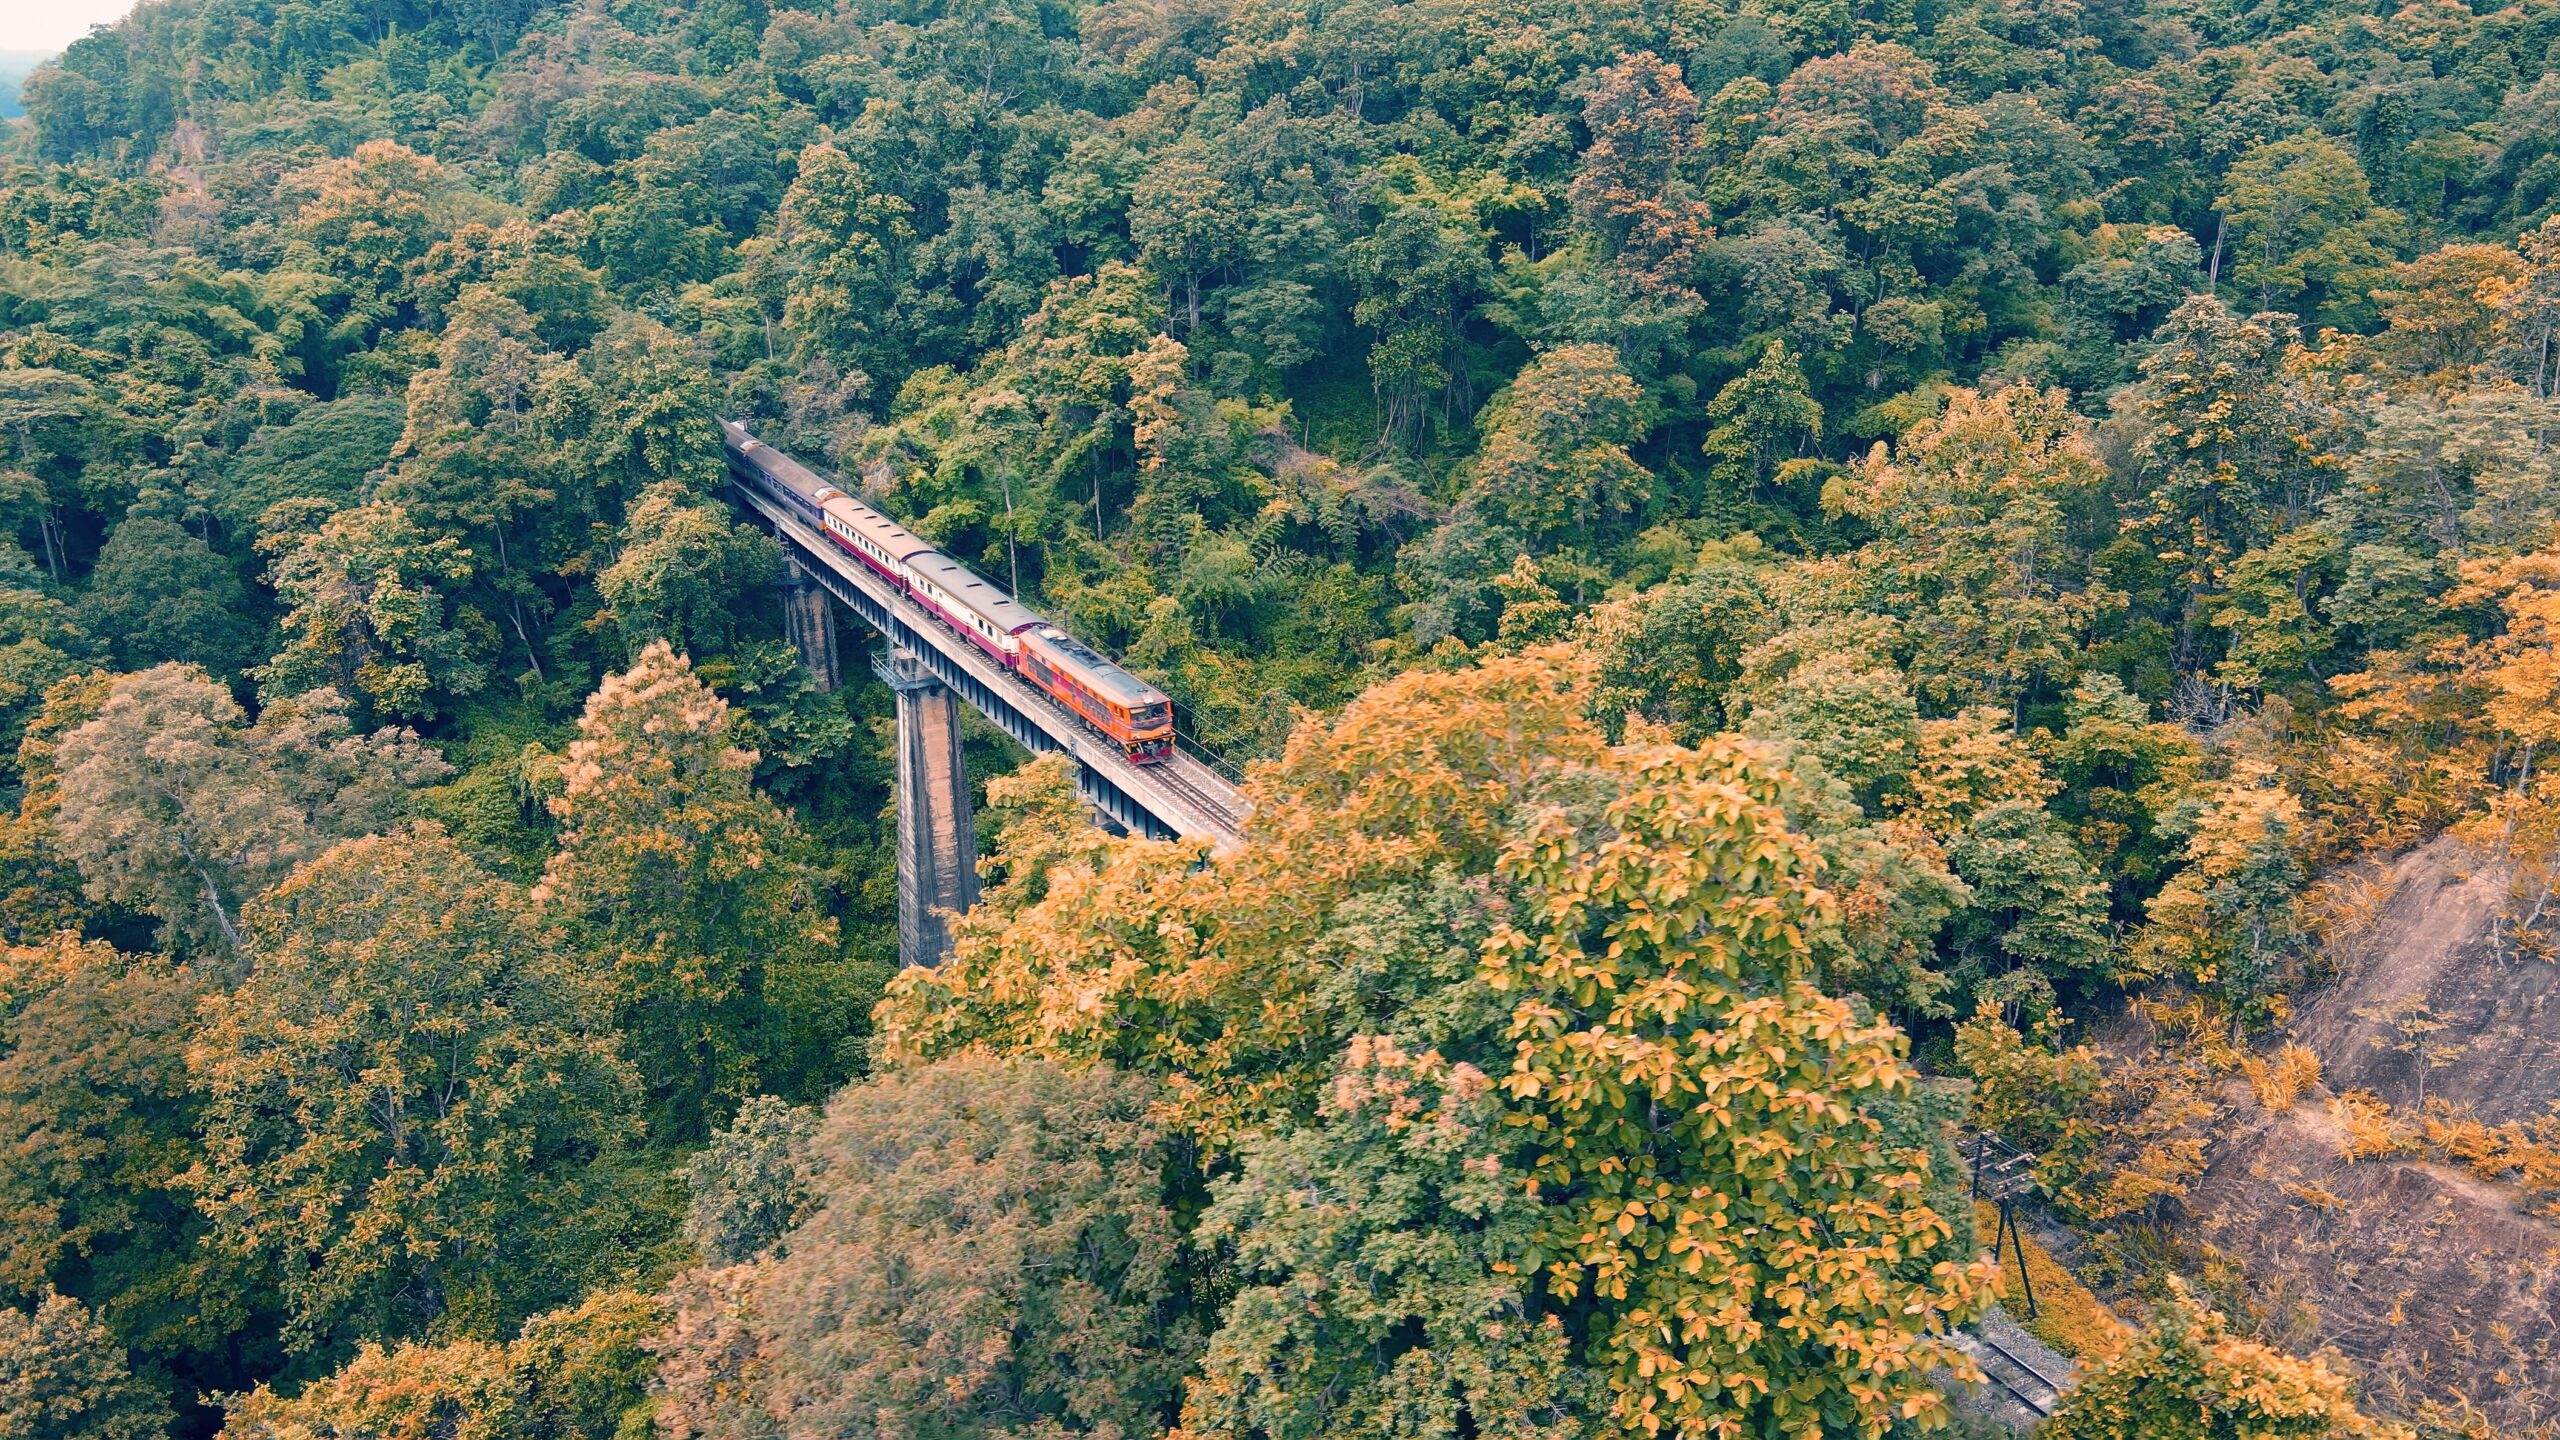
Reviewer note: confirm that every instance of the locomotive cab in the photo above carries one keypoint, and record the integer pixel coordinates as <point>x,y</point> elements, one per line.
<point>1150,735</point>
<point>1110,699</point>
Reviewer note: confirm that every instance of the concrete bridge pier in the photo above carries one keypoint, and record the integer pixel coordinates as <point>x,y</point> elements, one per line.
<point>937,841</point>
<point>809,620</point>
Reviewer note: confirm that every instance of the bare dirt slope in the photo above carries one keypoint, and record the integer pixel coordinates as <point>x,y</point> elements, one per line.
<point>2431,942</point>
<point>2439,1283</point>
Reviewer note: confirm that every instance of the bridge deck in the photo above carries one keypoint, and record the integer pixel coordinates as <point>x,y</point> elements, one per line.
<point>1179,797</point>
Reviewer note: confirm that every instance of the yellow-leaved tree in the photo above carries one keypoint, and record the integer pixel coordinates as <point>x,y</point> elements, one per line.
<point>2228,920</point>
<point>681,883</point>
<point>1696,1114</point>
<point>2519,671</point>
<point>1730,1230</point>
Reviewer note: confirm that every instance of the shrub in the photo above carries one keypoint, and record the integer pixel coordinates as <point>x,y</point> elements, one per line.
<point>2185,1377</point>
<point>2282,1079</point>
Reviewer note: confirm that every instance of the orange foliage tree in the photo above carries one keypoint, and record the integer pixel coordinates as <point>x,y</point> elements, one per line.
<point>1630,939</point>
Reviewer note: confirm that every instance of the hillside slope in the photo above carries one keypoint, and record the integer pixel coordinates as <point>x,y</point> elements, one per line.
<point>2440,1282</point>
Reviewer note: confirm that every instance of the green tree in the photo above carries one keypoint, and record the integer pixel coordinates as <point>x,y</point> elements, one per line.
<point>1856,720</point>
<point>532,265</point>
<point>2119,771</point>
<point>469,464</point>
<point>97,1123</point>
<point>1418,271</point>
<point>373,213</point>
<point>63,1377</point>
<point>1971,553</point>
<point>753,1182</point>
<point>403,1096</point>
<point>2036,901</point>
<point>170,801</point>
<point>1673,654</point>
<point>1023,1207</point>
<point>2135,277</point>
<point>369,613</point>
<point>321,452</point>
<point>32,396</point>
<point>2229,920</point>
<point>1384,1245</point>
<point>41,643</point>
<point>845,243</point>
<point>2306,228</point>
<point>2435,479</point>
<point>686,574</point>
<point>1553,463</point>
<point>160,594</point>
<point>1182,217</point>
<point>1761,422</point>
<point>2231,447</point>
<point>636,409</point>
<point>682,883</point>
<point>2272,635</point>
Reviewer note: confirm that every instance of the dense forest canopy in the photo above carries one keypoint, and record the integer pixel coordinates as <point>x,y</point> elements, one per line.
<point>1774,556</point>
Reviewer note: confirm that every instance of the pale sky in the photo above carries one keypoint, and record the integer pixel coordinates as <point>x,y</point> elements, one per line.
<point>52,24</point>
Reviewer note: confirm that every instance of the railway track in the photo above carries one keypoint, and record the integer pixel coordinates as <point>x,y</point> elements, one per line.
<point>2005,1368</point>
<point>1222,801</point>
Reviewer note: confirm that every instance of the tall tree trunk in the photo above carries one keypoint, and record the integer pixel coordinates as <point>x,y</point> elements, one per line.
<point>515,616</point>
<point>221,913</point>
<point>47,528</point>
<point>1012,559</point>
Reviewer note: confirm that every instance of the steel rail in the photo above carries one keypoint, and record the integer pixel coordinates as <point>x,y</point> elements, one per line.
<point>2041,1407</point>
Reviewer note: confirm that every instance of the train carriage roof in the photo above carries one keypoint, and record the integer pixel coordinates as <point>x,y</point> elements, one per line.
<point>974,590</point>
<point>1108,680</point>
<point>772,462</point>
<point>901,542</point>
<point>888,534</point>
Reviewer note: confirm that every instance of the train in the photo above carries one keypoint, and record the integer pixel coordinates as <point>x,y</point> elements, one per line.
<point>1132,713</point>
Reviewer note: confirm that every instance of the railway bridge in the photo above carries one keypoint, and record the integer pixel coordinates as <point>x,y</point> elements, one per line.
<point>934,671</point>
